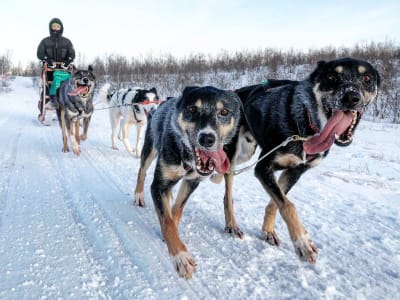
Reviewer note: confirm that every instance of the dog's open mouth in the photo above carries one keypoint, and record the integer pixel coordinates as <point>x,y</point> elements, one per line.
<point>338,130</point>
<point>208,161</point>
<point>81,90</point>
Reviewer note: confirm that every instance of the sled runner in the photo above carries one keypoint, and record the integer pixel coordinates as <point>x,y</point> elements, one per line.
<point>48,75</point>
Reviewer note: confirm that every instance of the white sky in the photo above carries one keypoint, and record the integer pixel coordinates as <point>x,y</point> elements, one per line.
<point>179,27</point>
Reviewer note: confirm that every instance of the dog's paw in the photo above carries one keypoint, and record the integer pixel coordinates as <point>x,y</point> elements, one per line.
<point>184,264</point>
<point>77,151</point>
<point>139,199</point>
<point>272,238</point>
<point>305,249</point>
<point>65,149</point>
<point>235,231</point>
<point>114,147</point>
<point>83,137</point>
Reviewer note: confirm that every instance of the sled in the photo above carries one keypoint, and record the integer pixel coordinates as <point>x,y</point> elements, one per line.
<point>47,112</point>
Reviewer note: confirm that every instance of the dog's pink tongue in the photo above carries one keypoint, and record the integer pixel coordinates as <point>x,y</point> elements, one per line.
<point>78,90</point>
<point>219,159</point>
<point>337,124</point>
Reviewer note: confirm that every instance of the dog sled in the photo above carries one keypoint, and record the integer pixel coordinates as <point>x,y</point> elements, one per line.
<point>46,110</point>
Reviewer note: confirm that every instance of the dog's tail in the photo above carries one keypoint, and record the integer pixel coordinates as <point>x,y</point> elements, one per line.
<point>104,96</point>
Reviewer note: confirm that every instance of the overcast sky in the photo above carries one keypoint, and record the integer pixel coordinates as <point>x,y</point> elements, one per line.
<point>179,27</point>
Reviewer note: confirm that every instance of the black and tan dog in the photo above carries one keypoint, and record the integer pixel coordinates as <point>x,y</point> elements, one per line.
<point>188,134</point>
<point>75,98</point>
<point>324,109</point>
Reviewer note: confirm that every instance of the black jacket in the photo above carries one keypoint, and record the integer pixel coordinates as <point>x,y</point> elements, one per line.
<point>56,47</point>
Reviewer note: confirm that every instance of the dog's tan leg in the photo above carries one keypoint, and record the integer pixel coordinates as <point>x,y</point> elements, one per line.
<point>230,222</point>
<point>144,165</point>
<point>304,246</point>
<point>270,212</point>
<point>86,122</point>
<point>63,130</point>
<point>269,224</point>
<point>74,143</point>
<point>182,260</point>
<point>77,128</point>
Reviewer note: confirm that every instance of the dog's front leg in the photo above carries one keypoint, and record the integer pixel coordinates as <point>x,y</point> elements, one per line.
<point>86,122</point>
<point>230,222</point>
<point>304,246</point>
<point>77,128</point>
<point>73,141</point>
<point>64,128</point>
<point>124,127</point>
<point>161,192</point>
<point>139,139</point>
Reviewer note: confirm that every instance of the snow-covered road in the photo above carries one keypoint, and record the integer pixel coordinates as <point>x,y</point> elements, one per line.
<point>68,228</point>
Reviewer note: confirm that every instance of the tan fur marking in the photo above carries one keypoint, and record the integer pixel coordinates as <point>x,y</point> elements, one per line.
<point>362,69</point>
<point>269,217</point>
<point>170,232</point>
<point>185,126</point>
<point>171,172</point>
<point>219,105</point>
<point>289,214</point>
<point>198,103</point>
<point>224,130</point>
<point>370,96</point>
<point>288,160</point>
<point>228,202</point>
<point>339,69</point>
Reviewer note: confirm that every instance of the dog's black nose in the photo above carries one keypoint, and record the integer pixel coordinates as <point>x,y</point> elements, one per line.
<point>85,80</point>
<point>207,139</point>
<point>351,99</point>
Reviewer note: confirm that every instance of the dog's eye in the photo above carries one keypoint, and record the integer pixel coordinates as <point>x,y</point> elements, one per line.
<point>224,112</point>
<point>366,78</point>
<point>192,109</point>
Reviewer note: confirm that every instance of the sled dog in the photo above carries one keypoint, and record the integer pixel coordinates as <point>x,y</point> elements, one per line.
<point>187,134</point>
<point>323,109</point>
<point>75,98</point>
<point>130,107</point>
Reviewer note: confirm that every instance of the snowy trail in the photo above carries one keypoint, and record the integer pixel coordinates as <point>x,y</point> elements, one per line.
<point>68,228</point>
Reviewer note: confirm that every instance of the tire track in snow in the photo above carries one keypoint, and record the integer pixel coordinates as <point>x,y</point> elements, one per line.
<point>119,223</point>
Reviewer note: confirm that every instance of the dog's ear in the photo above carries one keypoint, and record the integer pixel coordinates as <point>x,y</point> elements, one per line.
<point>153,90</point>
<point>317,72</point>
<point>378,78</point>
<point>90,68</point>
<point>188,89</point>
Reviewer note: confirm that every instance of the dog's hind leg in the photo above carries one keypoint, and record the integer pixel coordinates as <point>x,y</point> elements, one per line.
<point>183,262</point>
<point>230,222</point>
<point>148,155</point>
<point>286,181</point>
<point>114,124</point>
<point>304,246</point>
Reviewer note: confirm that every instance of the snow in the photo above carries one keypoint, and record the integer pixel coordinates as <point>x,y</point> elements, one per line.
<point>69,229</point>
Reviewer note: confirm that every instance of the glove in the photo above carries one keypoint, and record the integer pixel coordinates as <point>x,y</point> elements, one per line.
<point>66,63</point>
<point>50,63</point>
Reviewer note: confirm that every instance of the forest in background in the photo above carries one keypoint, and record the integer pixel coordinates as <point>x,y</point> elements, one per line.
<point>231,70</point>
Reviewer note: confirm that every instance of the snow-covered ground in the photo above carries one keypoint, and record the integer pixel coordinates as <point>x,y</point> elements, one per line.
<point>68,229</point>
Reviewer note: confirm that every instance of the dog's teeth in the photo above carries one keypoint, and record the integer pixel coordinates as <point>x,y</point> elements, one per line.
<point>336,136</point>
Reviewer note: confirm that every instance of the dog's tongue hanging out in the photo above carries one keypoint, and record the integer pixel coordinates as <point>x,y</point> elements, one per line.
<point>337,124</point>
<point>217,158</point>
<point>81,89</point>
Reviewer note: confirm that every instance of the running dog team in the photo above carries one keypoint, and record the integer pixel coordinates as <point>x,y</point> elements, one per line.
<point>206,132</point>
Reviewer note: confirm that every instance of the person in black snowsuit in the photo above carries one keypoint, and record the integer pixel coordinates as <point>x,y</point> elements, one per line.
<point>55,49</point>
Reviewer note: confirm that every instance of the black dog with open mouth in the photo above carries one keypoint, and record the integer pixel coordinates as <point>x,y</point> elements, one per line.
<point>188,134</point>
<point>323,109</point>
